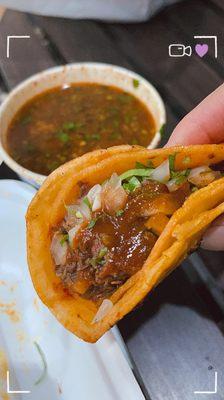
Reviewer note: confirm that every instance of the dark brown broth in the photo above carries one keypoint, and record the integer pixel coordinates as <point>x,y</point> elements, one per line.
<point>61,124</point>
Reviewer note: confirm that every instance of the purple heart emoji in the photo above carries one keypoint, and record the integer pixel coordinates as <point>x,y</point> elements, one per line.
<point>201,49</point>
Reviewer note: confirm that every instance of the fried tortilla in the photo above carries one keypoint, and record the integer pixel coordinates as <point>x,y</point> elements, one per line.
<point>106,228</point>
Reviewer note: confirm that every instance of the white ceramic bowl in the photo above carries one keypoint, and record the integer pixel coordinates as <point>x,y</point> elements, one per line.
<point>66,75</point>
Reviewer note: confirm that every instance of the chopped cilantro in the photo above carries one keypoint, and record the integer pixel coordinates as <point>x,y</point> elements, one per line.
<point>140,165</point>
<point>93,136</point>
<point>144,172</point>
<point>92,223</point>
<point>72,126</point>
<point>99,259</point>
<point>180,176</point>
<point>119,213</point>
<point>53,165</point>
<point>143,166</point>
<point>186,160</point>
<point>70,210</point>
<point>134,141</point>
<point>102,252</point>
<point>172,163</point>
<point>78,214</point>
<point>92,261</point>
<point>125,98</point>
<point>135,83</point>
<point>115,135</point>
<point>96,136</point>
<point>69,126</point>
<point>26,120</point>
<point>87,202</point>
<point>29,147</point>
<point>64,239</point>
<point>63,136</point>
<point>150,164</point>
<point>128,118</point>
<point>132,184</point>
<point>87,137</point>
<point>116,123</point>
<point>194,189</point>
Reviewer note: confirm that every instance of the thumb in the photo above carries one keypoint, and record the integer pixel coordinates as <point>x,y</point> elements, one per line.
<point>214,236</point>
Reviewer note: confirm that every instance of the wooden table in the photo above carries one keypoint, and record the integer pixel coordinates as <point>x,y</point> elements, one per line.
<point>175,338</point>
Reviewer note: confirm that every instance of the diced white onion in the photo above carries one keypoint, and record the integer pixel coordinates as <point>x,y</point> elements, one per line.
<point>161,173</point>
<point>73,232</point>
<point>113,196</point>
<point>58,249</point>
<point>102,311</point>
<point>198,170</point>
<point>114,181</point>
<point>202,176</point>
<point>70,217</point>
<point>77,212</point>
<point>94,197</point>
<point>96,202</point>
<point>172,186</point>
<point>85,211</point>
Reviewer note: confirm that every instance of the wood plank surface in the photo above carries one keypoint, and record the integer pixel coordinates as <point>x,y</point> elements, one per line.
<point>82,41</point>
<point>218,3</point>
<point>147,44</point>
<point>186,19</point>
<point>174,343</point>
<point>27,56</point>
<point>90,41</point>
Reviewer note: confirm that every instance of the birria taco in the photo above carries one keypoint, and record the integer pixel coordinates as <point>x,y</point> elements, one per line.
<point>106,228</point>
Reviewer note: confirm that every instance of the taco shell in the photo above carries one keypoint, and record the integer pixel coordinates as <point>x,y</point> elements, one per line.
<point>181,235</point>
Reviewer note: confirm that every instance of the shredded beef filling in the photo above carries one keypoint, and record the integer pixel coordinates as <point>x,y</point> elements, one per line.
<point>116,247</point>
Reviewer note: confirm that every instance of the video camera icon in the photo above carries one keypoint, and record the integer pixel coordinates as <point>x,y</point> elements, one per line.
<point>179,50</point>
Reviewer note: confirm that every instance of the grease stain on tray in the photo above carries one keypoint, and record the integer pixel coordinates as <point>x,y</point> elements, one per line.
<point>36,304</point>
<point>9,310</point>
<point>21,336</point>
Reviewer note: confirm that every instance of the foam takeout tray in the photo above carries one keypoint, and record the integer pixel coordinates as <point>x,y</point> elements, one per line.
<point>30,336</point>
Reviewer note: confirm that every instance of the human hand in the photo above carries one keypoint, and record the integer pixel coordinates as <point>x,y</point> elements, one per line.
<point>205,124</point>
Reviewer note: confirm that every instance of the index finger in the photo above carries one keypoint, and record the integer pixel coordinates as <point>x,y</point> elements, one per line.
<point>205,124</point>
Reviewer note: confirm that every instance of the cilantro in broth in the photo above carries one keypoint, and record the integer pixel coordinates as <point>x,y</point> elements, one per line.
<point>26,120</point>
<point>95,136</point>
<point>63,136</point>
<point>73,121</point>
<point>69,126</point>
